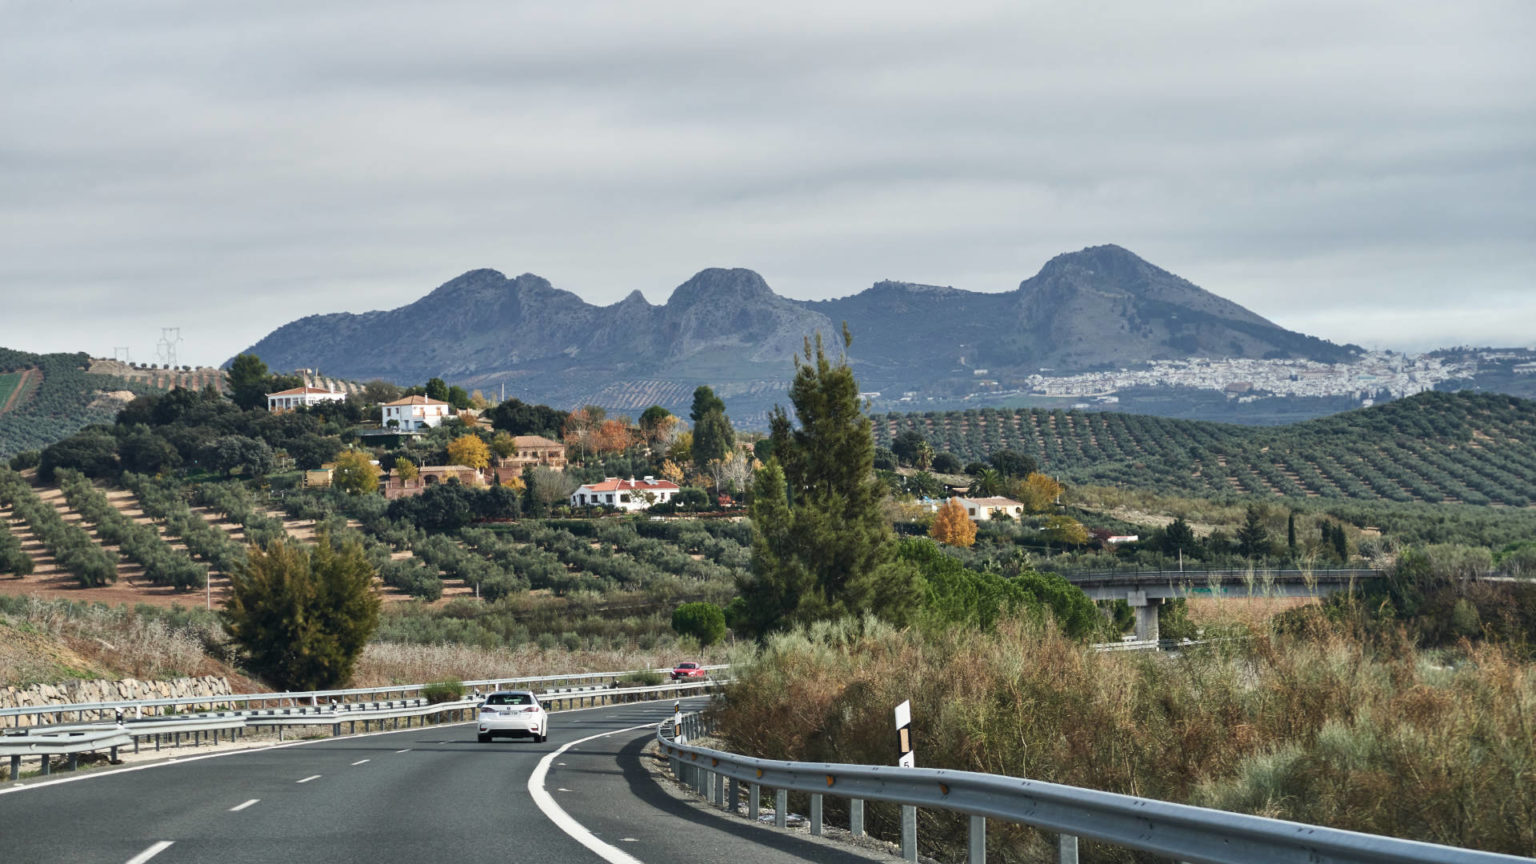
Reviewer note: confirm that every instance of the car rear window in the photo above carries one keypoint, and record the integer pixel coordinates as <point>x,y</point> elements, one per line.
<point>687,666</point>
<point>509,699</point>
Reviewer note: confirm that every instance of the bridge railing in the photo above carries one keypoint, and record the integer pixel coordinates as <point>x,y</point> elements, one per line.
<point>1177,831</point>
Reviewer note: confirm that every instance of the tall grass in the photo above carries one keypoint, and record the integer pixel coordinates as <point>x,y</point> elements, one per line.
<point>1317,728</point>
<point>116,641</point>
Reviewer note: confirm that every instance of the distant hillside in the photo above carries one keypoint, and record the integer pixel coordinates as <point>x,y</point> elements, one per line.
<point>48,397</point>
<point>1466,447</point>
<point>1099,307</point>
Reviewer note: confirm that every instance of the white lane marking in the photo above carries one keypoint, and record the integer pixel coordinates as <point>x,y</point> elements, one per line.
<point>562,819</point>
<point>150,852</point>
<point>309,778</point>
<point>358,762</point>
<point>238,807</point>
<point>406,750</point>
<point>628,840</point>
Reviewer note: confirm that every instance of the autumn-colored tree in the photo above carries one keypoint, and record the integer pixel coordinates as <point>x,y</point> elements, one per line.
<point>611,436</point>
<point>672,471</point>
<point>1065,530</point>
<point>503,445</point>
<point>406,469</point>
<point>952,526</point>
<point>681,450</point>
<point>355,473</point>
<point>1037,492</point>
<point>514,482</point>
<point>470,451</point>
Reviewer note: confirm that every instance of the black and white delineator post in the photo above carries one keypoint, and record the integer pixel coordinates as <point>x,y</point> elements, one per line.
<point>677,723</point>
<point>906,759</point>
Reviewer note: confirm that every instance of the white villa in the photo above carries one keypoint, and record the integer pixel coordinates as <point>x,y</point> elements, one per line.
<point>287,400</point>
<point>629,495</point>
<point>983,509</point>
<point>414,412</point>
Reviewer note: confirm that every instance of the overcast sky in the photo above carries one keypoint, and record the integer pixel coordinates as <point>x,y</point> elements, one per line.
<point>1363,172</point>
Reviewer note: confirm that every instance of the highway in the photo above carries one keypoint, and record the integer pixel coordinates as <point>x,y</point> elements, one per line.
<point>417,795</point>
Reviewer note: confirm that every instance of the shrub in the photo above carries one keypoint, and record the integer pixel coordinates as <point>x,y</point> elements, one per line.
<point>439,692</point>
<point>703,621</point>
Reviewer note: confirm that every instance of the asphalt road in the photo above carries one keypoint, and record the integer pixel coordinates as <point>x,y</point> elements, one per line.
<point>416,795</point>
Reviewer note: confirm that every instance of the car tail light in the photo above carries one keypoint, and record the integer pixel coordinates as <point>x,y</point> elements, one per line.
<point>530,708</point>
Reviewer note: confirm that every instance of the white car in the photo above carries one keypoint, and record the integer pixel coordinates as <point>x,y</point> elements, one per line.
<point>515,714</point>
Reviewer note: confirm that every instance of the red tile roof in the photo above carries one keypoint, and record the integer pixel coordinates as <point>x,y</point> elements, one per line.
<point>305,391</point>
<point>414,400</point>
<point>614,484</point>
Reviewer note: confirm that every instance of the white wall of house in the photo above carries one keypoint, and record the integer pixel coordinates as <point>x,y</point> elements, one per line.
<point>626,495</point>
<point>409,418</point>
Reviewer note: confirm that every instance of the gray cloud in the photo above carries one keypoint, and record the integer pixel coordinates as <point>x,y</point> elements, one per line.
<point>1362,171</point>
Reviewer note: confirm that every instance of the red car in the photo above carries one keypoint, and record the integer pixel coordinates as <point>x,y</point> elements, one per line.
<point>684,671</point>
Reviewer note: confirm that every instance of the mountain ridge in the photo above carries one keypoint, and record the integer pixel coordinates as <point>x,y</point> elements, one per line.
<point>1102,306</point>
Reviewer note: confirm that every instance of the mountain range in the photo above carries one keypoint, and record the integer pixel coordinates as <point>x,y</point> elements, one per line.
<point>1101,307</point>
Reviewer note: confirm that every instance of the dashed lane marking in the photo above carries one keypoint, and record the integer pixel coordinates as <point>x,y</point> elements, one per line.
<point>150,852</point>
<point>310,777</point>
<point>238,807</point>
<point>359,762</point>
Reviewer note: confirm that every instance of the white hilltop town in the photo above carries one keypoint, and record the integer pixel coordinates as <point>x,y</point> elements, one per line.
<point>1366,378</point>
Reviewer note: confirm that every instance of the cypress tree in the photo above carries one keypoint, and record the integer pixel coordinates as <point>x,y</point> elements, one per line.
<point>1290,533</point>
<point>713,436</point>
<point>821,547</point>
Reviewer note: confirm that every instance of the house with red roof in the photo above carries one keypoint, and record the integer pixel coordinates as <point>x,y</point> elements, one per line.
<point>628,495</point>
<point>307,397</point>
<point>414,412</point>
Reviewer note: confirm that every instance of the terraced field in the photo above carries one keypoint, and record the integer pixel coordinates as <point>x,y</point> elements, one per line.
<point>1434,447</point>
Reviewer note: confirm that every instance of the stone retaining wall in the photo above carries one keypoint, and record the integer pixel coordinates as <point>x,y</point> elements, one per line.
<point>104,691</point>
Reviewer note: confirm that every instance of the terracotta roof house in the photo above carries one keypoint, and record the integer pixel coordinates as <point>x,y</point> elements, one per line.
<point>414,412</point>
<point>287,400</point>
<point>628,495</point>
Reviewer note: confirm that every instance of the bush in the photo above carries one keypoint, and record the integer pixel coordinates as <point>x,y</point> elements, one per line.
<point>703,621</point>
<point>439,692</point>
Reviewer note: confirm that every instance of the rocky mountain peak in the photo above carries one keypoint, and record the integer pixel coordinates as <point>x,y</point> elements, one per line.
<point>718,285</point>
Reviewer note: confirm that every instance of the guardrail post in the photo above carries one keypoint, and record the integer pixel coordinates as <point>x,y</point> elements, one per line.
<point>47,766</point>
<point>816,814</point>
<point>909,832</point>
<point>732,794</point>
<point>718,796</point>
<point>754,794</point>
<point>856,817</point>
<point>781,808</point>
<point>976,843</point>
<point>1066,849</point>
<point>15,767</point>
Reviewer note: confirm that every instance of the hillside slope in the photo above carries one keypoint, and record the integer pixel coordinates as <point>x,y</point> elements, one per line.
<point>1457,447</point>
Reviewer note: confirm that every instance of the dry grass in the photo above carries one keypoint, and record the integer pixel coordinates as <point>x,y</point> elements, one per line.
<point>1320,729</point>
<point>1250,613</point>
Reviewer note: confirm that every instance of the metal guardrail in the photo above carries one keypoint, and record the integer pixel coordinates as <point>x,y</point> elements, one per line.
<point>1178,831</point>
<point>11,717</point>
<point>73,739</point>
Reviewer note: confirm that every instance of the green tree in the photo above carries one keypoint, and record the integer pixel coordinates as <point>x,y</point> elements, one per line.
<point>1013,464</point>
<point>1290,534</point>
<point>248,381</point>
<point>821,547</point>
<point>458,398</point>
<point>437,389</point>
<point>703,621</point>
<point>713,436</point>
<point>302,615</point>
<point>1253,537</point>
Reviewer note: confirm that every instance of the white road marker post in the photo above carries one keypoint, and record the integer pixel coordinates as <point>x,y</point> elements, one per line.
<point>906,759</point>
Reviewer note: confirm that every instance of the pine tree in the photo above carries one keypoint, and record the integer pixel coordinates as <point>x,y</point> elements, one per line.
<point>1253,537</point>
<point>821,547</point>
<point>713,436</point>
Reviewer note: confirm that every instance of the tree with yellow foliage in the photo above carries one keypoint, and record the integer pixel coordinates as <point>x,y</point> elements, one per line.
<point>470,451</point>
<point>514,482</point>
<point>1037,492</point>
<point>406,469</point>
<point>672,471</point>
<point>1066,531</point>
<point>355,473</point>
<point>951,525</point>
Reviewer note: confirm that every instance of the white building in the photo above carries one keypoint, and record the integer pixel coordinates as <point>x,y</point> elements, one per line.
<point>983,509</point>
<point>414,412</point>
<point>287,400</point>
<point>629,495</point>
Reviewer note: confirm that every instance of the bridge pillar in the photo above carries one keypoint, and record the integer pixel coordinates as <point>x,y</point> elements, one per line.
<point>1146,614</point>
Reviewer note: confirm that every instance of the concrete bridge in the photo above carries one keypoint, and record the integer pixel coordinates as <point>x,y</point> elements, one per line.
<point>1145,590</point>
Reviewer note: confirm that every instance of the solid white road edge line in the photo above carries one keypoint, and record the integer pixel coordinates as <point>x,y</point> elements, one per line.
<point>562,819</point>
<point>238,807</point>
<point>150,852</point>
